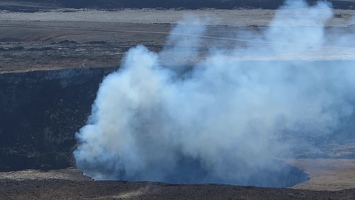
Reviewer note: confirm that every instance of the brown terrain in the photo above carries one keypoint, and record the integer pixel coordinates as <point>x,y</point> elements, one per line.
<point>64,38</point>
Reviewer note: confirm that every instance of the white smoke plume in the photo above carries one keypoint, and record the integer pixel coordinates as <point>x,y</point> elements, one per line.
<point>179,116</point>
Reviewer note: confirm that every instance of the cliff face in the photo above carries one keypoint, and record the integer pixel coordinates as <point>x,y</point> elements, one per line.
<point>40,113</point>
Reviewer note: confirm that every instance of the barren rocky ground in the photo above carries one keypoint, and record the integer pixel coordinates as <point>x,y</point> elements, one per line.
<point>90,38</point>
<point>62,38</point>
<point>71,184</point>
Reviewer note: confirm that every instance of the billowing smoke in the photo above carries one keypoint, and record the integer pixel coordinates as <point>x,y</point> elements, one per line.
<point>191,115</point>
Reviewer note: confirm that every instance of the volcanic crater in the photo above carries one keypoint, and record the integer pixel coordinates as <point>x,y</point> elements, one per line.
<point>53,60</point>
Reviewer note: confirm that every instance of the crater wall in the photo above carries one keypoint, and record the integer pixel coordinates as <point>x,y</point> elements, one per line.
<point>40,112</point>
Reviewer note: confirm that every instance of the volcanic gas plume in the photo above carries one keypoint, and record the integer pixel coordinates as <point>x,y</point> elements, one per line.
<point>179,116</point>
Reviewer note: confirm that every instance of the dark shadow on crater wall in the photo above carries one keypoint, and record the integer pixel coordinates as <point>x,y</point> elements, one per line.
<point>190,171</point>
<point>40,113</point>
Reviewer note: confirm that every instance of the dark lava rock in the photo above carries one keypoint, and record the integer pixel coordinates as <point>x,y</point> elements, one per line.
<point>40,113</point>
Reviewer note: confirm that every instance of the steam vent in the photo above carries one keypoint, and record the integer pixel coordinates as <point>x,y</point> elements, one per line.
<point>146,98</point>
